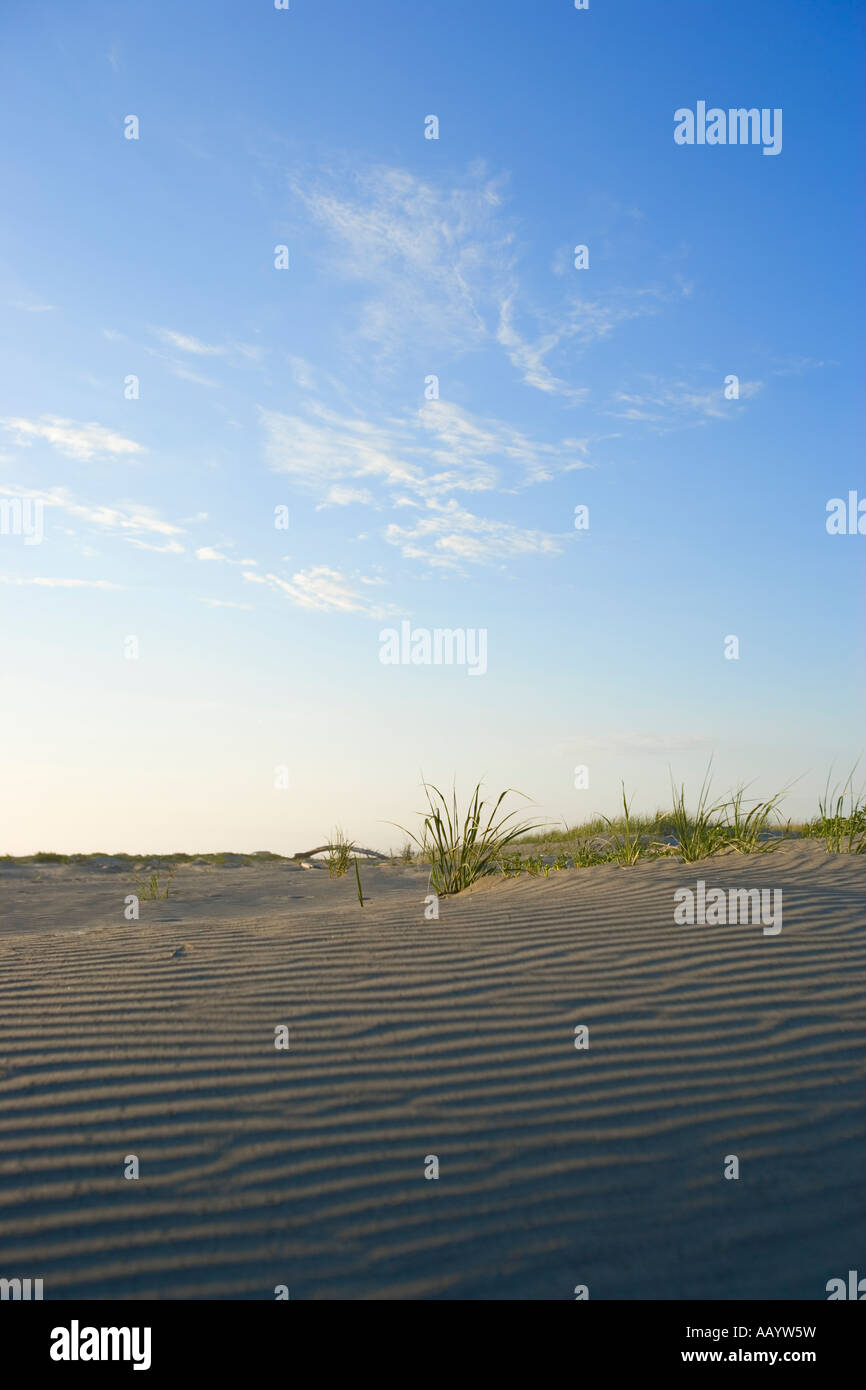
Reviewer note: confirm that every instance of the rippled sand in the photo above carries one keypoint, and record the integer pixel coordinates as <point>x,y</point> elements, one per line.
<point>452,1038</point>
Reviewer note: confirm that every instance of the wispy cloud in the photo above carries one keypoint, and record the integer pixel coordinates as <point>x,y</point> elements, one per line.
<point>322,589</point>
<point>185,373</point>
<point>345,496</point>
<point>170,548</point>
<point>210,553</point>
<point>224,603</point>
<point>449,536</point>
<point>528,358</point>
<point>798,366</point>
<point>51,583</point>
<point>320,449</point>
<point>184,342</point>
<point>437,449</point>
<point>581,322</point>
<point>441,264</point>
<point>75,440</point>
<point>431,256</point>
<point>302,374</point>
<point>462,444</point>
<point>128,516</point>
<point>233,354</point>
<point>666,406</point>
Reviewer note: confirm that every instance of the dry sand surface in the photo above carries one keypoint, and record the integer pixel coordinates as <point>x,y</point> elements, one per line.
<point>455,1037</point>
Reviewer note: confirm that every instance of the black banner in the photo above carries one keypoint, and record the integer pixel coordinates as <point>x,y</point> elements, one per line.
<point>163,1339</point>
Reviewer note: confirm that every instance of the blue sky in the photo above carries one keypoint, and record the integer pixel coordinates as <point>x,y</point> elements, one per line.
<point>259,648</point>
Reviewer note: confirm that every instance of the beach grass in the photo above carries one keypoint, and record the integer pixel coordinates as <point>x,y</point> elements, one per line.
<point>339,854</point>
<point>758,830</point>
<point>458,847</point>
<point>152,888</point>
<point>627,841</point>
<point>713,826</point>
<point>461,848</point>
<point>843,831</point>
<point>702,833</point>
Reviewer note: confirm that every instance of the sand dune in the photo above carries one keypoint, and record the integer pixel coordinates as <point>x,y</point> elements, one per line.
<point>454,1037</point>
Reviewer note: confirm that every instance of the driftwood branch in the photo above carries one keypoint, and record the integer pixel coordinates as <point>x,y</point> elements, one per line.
<point>356,849</point>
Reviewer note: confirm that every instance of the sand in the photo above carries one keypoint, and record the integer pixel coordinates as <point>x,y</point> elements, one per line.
<point>453,1038</point>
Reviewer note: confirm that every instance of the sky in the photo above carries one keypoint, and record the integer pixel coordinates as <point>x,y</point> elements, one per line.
<point>297,349</point>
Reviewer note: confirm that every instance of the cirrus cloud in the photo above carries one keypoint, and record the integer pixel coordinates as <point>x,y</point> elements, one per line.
<point>76,440</point>
<point>320,588</point>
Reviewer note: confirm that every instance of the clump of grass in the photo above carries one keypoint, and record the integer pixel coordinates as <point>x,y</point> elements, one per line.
<point>151,888</point>
<point>750,832</point>
<point>48,857</point>
<point>595,827</point>
<point>626,846</point>
<point>460,850</point>
<point>339,854</point>
<point>512,865</point>
<point>843,832</point>
<point>584,856</point>
<point>715,826</point>
<point>702,834</point>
